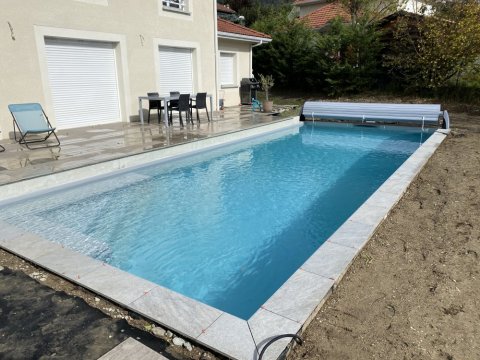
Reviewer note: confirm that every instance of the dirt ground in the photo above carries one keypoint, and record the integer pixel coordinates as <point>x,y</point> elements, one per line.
<point>414,291</point>
<point>43,316</point>
<point>38,322</point>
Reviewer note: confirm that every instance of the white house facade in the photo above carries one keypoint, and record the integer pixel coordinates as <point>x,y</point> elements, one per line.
<point>87,61</point>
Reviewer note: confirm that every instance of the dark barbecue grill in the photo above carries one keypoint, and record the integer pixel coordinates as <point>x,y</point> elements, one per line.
<point>248,90</point>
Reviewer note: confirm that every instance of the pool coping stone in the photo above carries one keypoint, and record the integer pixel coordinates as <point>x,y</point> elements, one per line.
<point>262,334</point>
<point>231,337</point>
<point>288,310</point>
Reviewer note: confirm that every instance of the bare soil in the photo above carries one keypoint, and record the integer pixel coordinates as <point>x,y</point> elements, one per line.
<point>38,322</point>
<point>414,290</point>
<point>43,316</point>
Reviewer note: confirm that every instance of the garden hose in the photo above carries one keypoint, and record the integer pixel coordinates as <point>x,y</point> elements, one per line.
<point>297,338</point>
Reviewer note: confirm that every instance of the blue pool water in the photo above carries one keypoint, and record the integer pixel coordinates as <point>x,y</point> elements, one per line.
<point>226,227</point>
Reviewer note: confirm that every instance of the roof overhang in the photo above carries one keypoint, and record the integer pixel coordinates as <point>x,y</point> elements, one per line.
<point>240,37</point>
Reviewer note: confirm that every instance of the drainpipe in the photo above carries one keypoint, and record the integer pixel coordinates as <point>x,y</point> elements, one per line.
<point>215,41</point>
<point>258,44</point>
<point>251,55</point>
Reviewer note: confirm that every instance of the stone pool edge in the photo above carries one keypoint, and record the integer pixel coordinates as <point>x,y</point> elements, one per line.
<point>289,309</point>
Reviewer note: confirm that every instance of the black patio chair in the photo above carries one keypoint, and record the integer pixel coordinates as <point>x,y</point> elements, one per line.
<point>200,102</point>
<point>173,103</point>
<point>154,105</point>
<point>183,105</point>
<point>174,93</point>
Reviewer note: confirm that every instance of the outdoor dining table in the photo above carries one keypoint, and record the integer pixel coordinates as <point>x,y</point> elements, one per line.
<point>165,100</point>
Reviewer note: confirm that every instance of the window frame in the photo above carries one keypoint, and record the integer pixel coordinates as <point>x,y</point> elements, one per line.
<point>181,6</point>
<point>234,74</point>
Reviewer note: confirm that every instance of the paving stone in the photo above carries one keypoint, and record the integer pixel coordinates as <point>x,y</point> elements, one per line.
<point>330,260</point>
<point>180,313</point>
<point>265,325</point>
<point>299,296</point>
<point>231,336</point>
<point>132,349</point>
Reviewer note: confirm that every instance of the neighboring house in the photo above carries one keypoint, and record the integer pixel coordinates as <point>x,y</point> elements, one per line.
<point>318,13</point>
<point>410,13</point>
<point>305,7</point>
<point>389,24</point>
<point>235,45</point>
<point>319,19</point>
<point>87,61</point>
<point>224,12</point>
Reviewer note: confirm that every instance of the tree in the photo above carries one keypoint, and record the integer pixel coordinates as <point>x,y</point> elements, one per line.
<point>237,4</point>
<point>350,52</point>
<point>290,57</point>
<point>370,11</point>
<point>349,57</point>
<point>254,10</point>
<point>429,52</point>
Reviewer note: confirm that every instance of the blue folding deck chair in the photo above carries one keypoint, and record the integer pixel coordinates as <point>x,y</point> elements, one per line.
<point>32,124</point>
<point>2,149</point>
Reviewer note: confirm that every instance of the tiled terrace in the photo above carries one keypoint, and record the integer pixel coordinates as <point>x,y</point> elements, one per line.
<point>95,144</point>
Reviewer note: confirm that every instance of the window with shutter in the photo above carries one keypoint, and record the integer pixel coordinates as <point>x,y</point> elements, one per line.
<point>181,5</point>
<point>227,69</point>
<point>176,70</point>
<point>82,76</point>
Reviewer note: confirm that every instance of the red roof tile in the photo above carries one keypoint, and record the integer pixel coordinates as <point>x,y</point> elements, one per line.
<point>229,27</point>
<point>225,9</point>
<point>320,17</point>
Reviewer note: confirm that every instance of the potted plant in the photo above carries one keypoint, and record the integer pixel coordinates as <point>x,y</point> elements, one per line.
<point>266,81</point>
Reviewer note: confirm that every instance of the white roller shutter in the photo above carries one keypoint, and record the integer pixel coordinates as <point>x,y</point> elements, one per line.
<point>227,68</point>
<point>176,70</point>
<point>83,82</point>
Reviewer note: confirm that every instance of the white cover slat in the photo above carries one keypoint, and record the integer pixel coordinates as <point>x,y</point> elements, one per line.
<point>420,113</point>
<point>83,82</point>
<point>176,70</point>
<point>227,62</point>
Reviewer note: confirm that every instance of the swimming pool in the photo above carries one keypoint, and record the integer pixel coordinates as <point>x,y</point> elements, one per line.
<point>226,227</point>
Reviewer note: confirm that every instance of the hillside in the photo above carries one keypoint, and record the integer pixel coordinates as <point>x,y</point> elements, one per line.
<point>240,4</point>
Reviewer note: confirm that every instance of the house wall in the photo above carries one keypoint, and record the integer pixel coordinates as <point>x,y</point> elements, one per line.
<point>307,9</point>
<point>242,51</point>
<point>137,28</point>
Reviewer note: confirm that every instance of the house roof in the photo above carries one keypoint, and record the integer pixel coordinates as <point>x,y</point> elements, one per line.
<point>225,9</point>
<point>320,17</point>
<point>225,26</point>
<point>399,14</point>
